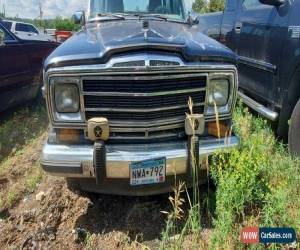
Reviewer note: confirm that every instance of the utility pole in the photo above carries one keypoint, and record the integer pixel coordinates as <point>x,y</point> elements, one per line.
<point>4,14</point>
<point>41,12</point>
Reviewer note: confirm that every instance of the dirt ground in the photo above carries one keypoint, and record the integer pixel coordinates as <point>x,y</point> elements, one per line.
<point>53,217</point>
<point>63,220</point>
<point>39,212</point>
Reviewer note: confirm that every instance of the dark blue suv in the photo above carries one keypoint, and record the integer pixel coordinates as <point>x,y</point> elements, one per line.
<point>266,36</point>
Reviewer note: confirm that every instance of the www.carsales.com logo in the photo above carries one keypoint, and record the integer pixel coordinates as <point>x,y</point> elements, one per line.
<point>255,235</point>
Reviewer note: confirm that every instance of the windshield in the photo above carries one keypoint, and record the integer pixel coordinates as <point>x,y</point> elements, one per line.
<point>172,9</point>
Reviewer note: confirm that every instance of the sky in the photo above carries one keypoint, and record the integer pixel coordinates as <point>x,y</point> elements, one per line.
<point>51,8</point>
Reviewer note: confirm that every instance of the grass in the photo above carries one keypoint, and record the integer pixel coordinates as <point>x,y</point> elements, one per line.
<point>257,184</point>
<point>21,137</point>
<point>22,127</point>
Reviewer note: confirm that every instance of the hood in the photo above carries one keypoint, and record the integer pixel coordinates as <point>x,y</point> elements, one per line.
<point>99,41</point>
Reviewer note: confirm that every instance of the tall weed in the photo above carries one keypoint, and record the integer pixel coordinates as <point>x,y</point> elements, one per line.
<point>257,184</point>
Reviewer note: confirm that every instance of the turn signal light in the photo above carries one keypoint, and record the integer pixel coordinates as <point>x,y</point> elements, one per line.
<point>220,129</point>
<point>68,135</point>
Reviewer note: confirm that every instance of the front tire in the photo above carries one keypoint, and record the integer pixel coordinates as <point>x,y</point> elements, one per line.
<point>294,131</point>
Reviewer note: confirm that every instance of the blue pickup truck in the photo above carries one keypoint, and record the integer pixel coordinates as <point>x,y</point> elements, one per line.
<point>266,36</point>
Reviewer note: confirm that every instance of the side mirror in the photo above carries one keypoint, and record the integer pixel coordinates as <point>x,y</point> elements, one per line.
<point>2,38</point>
<point>193,18</point>
<point>79,17</point>
<point>276,3</point>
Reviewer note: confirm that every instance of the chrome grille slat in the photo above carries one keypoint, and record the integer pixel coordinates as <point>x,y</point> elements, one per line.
<point>143,106</point>
<point>148,124</point>
<point>174,92</point>
<point>142,110</point>
<point>142,116</point>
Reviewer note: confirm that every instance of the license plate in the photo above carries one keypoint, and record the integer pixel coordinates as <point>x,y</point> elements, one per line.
<point>146,172</point>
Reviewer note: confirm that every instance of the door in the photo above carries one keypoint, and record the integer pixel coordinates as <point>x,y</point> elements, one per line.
<point>260,31</point>
<point>228,36</point>
<point>15,76</point>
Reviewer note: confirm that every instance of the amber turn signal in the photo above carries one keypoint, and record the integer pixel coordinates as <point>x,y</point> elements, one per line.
<point>220,129</point>
<point>68,135</point>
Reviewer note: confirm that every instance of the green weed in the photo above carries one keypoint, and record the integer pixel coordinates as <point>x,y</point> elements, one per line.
<point>257,184</point>
<point>11,197</point>
<point>24,125</point>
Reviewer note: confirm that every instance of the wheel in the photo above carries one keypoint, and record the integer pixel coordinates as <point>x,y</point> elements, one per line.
<point>294,131</point>
<point>73,185</point>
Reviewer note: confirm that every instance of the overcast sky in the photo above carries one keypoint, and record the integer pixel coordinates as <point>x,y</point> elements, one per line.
<point>51,8</point>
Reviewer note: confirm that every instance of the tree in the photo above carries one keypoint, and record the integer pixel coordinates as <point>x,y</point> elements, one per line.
<point>65,24</point>
<point>216,5</point>
<point>199,6</point>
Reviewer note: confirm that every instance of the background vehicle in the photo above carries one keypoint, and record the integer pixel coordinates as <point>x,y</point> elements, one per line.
<point>117,95</point>
<point>20,68</point>
<point>62,36</point>
<point>26,31</point>
<point>266,36</point>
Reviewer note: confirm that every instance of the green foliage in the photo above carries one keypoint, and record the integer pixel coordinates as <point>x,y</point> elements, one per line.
<point>257,184</point>
<point>202,6</point>
<point>216,5</point>
<point>64,24</point>
<point>24,125</point>
<point>199,6</point>
<point>11,197</point>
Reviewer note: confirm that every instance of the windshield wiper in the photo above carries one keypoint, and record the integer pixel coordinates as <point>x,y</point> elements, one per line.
<point>121,17</point>
<point>140,16</point>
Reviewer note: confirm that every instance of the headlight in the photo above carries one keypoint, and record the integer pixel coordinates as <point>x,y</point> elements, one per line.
<point>219,92</point>
<point>66,98</point>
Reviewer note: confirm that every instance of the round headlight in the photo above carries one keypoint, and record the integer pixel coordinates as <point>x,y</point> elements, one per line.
<point>66,98</point>
<point>219,92</point>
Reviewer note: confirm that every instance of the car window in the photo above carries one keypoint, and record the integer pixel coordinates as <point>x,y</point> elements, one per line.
<point>7,24</point>
<point>7,36</point>
<point>170,8</point>
<point>21,27</point>
<point>32,29</point>
<point>248,4</point>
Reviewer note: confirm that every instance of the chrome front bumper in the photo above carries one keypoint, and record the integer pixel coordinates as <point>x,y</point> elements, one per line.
<point>77,160</point>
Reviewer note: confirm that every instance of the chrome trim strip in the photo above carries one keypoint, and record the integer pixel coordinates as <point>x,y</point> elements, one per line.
<point>132,129</point>
<point>261,109</point>
<point>148,124</point>
<point>148,137</point>
<point>119,156</point>
<point>258,64</point>
<point>144,78</point>
<point>128,94</point>
<point>142,110</point>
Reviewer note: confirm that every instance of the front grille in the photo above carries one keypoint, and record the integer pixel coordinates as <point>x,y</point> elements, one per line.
<point>144,106</point>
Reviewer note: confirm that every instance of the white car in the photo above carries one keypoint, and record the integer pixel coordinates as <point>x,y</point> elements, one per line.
<point>26,31</point>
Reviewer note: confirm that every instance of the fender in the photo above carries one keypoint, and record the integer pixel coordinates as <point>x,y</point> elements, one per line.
<point>290,98</point>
